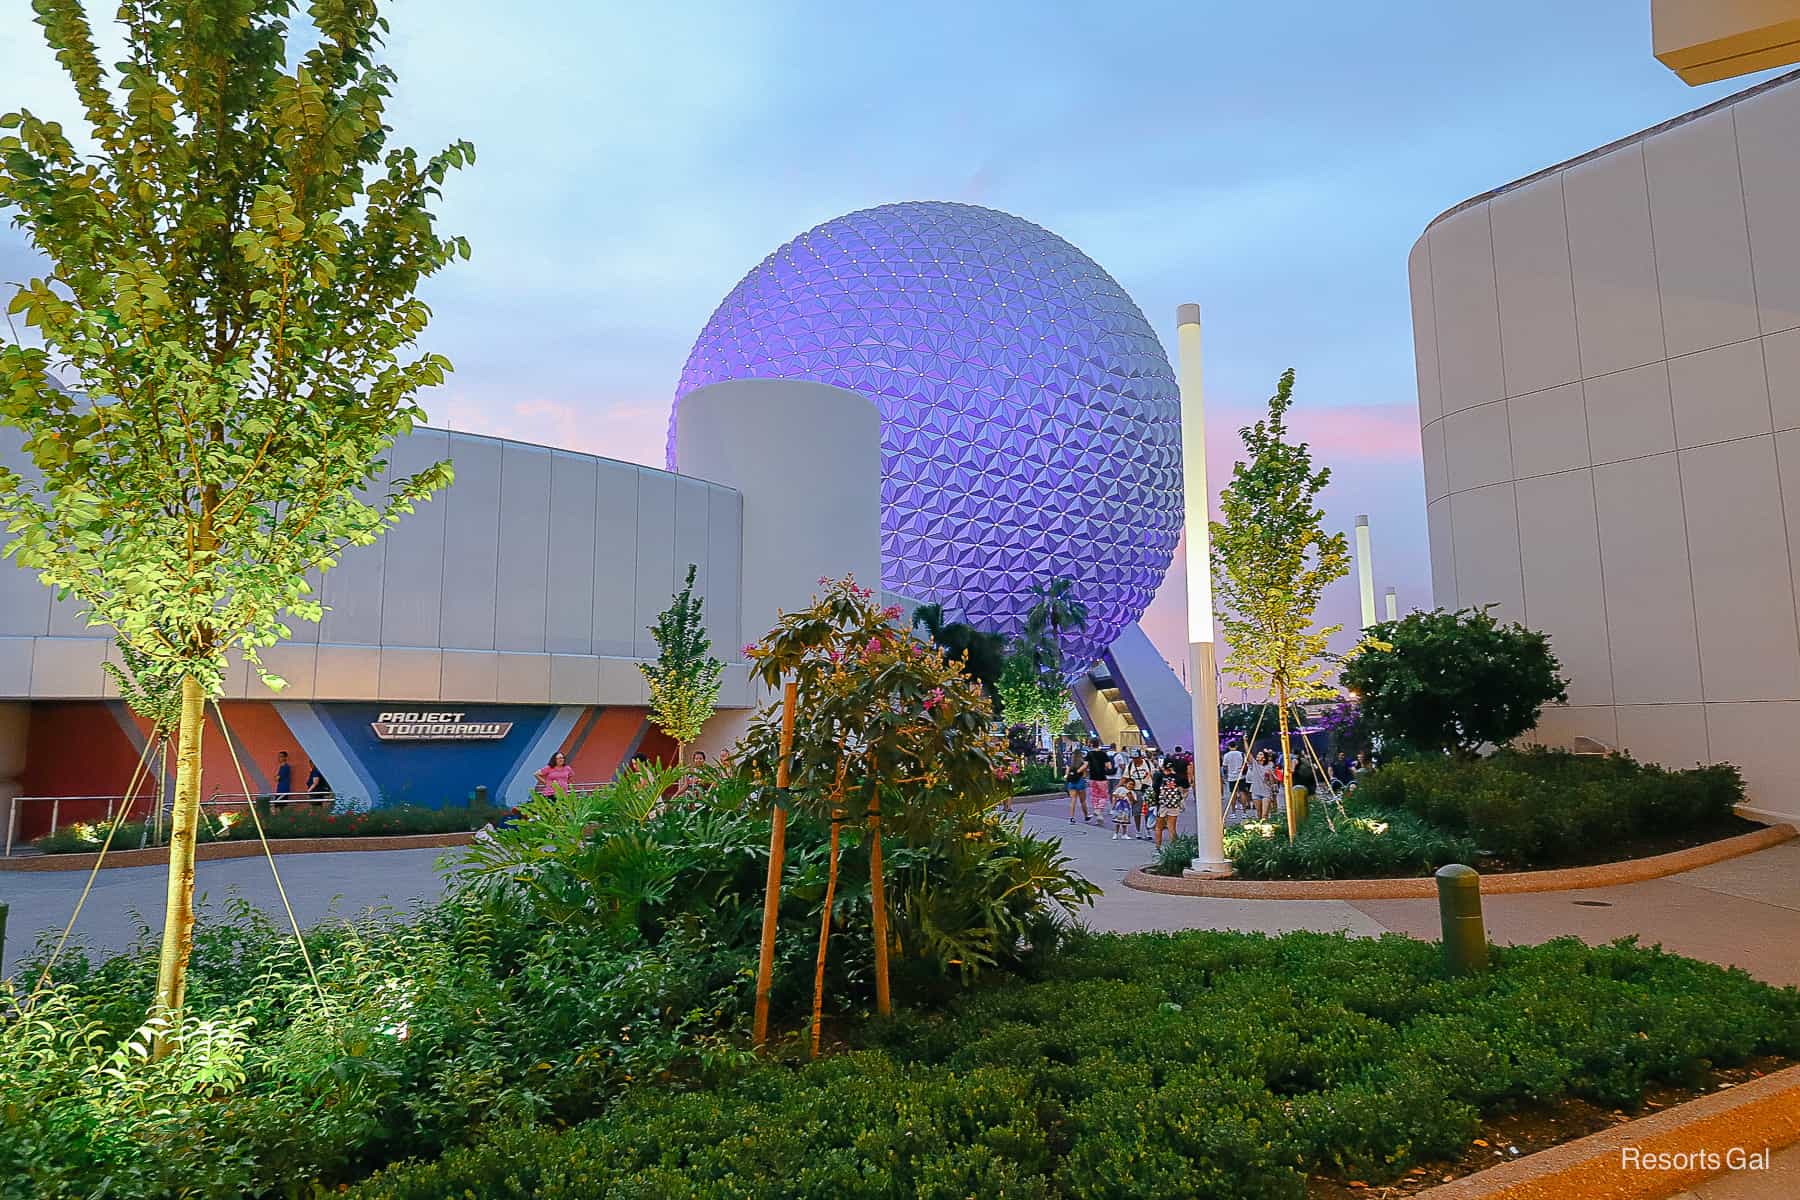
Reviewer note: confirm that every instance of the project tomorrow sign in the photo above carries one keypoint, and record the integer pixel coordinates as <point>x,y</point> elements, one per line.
<point>437,727</point>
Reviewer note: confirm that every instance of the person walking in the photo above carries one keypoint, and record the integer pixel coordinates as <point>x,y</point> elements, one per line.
<point>1259,785</point>
<point>284,775</point>
<point>316,786</point>
<point>555,776</point>
<point>1170,799</point>
<point>1102,771</point>
<point>1232,764</point>
<point>1076,783</point>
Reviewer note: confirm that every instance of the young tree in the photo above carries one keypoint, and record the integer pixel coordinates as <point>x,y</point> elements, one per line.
<point>1453,681</point>
<point>1029,696</point>
<point>684,679</point>
<point>232,268</point>
<point>885,730</point>
<point>1271,562</point>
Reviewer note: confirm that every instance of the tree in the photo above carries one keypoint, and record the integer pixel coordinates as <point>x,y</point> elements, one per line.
<point>982,655</point>
<point>1453,681</point>
<point>885,728</point>
<point>1271,562</point>
<point>1030,696</point>
<point>232,277</point>
<point>684,679</point>
<point>1056,615</point>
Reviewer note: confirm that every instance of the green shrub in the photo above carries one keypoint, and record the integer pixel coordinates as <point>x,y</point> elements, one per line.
<point>1034,779</point>
<point>1364,843</point>
<point>1545,808</point>
<point>1198,1064</point>
<point>1176,856</point>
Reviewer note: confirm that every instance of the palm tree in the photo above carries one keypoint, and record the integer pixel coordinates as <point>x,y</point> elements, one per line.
<point>1055,615</point>
<point>982,655</point>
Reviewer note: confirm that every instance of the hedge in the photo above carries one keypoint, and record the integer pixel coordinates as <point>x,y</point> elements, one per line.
<point>1198,1064</point>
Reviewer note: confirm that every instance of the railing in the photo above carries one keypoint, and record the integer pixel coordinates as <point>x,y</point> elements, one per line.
<point>218,800</point>
<point>56,803</point>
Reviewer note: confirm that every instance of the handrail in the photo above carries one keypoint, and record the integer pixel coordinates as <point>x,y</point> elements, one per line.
<point>56,802</point>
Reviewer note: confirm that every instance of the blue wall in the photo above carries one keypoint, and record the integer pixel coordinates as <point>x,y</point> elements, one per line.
<point>434,774</point>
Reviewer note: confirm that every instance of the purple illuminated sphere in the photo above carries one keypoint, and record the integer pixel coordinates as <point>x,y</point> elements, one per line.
<point>1030,424</point>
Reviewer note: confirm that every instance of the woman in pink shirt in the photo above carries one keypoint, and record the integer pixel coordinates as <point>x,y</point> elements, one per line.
<point>556,778</point>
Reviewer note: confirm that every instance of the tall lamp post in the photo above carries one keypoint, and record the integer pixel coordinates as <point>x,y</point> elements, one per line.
<point>1203,678</point>
<point>1365,572</point>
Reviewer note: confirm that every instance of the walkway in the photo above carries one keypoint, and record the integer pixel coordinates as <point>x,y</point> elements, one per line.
<point>1742,913</point>
<point>123,899</point>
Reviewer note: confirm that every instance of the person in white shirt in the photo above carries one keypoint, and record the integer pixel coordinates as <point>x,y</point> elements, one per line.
<point>1233,764</point>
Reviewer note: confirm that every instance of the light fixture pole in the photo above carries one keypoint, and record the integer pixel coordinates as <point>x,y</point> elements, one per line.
<point>1365,572</point>
<point>1203,678</point>
<point>1393,605</point>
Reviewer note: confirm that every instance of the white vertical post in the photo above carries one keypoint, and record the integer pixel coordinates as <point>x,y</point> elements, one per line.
<point>1203,677</point>
<point>1393,605</point>
<point>1365,572</point>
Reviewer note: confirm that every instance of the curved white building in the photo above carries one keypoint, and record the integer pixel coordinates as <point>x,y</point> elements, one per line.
<point>1609,400</point>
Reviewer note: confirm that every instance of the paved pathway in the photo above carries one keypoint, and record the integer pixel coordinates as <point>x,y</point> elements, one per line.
<point>1744,912</point>
<point>318,885</point>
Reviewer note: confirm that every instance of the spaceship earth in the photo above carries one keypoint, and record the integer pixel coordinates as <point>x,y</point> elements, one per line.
<point>1030,423</point>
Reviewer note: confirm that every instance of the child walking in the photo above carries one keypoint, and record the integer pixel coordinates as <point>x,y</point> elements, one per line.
<point>1122,810</point>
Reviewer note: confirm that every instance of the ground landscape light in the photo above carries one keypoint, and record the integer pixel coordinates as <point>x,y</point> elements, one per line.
<point>1008,455</point>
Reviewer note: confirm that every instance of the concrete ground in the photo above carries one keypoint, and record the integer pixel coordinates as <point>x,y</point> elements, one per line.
<point>1780,1180</point>
<point>319,886</point>
<point>1744,912</point>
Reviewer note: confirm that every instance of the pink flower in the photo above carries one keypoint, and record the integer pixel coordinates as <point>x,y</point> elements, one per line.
<point>747,649</point>
<point>933,698</point>
<point>891,612</point>
<point>874,646</point>
<point>824,581</point>
<point>834,654</point>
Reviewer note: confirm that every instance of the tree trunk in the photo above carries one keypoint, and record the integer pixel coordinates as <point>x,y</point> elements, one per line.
<point>765,968</point>
<point>1287,763</point>
<point>178,916</point>
<point>825,936</point>
<point>884,1004</point>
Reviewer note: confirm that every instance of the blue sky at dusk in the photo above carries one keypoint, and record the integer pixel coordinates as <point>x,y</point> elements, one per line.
<point>1273,162</point>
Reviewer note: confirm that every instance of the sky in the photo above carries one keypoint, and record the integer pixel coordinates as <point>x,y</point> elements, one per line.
<point>1273,162</point>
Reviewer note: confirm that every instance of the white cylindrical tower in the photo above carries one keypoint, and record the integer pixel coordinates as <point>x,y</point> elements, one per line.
<point>1365,572</point>
<point>1393,605</point>
<point>1203,677</point>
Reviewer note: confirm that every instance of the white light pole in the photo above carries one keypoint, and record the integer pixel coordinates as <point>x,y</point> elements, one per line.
<point>1393,605</point>
<point>1203,676</point>
<point>1365,572</point>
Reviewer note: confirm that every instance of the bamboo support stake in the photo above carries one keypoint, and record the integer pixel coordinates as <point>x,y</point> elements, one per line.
<point>765,969</point>
<point>825,934</point>
<point>884,1004</point>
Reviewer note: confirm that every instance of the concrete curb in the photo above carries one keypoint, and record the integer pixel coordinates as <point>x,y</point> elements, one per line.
<point>1626,1163</point>
<point>1564,879</point>
<point>207,851</point>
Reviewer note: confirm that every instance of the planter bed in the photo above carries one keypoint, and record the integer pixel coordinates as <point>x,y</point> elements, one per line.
<point>1502,882</point>
<point>207,851</point>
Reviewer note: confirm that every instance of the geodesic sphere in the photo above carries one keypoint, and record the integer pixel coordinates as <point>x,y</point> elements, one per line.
<point>1030,423</point>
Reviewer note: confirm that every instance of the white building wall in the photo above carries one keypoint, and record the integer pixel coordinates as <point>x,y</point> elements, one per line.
<point>1609,400</point>
<point>531,579</point>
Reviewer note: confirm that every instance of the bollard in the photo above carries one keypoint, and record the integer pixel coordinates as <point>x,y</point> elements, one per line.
<point>1459,908</point>
<point>480,798</point>
<point>1297,800</point>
